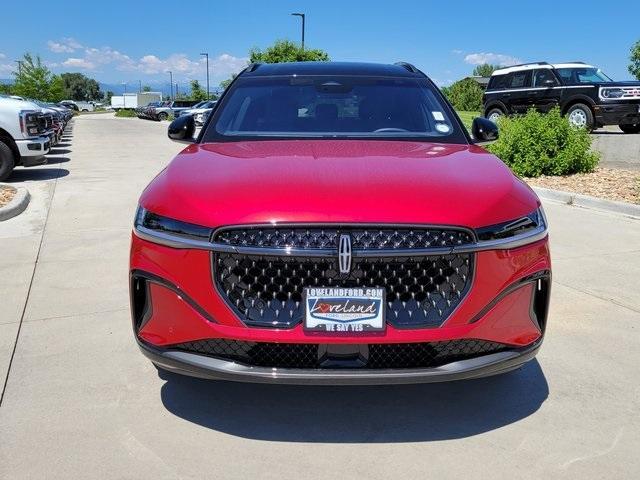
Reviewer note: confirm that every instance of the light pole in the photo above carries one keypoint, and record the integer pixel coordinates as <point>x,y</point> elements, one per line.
<point>207,55</point>
<point>171,84</point>
<point>124,95</point>
<point>140,82</point>
<point>302,16</point>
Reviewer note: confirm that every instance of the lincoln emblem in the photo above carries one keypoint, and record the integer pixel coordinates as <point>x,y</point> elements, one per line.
<point>344,253</point>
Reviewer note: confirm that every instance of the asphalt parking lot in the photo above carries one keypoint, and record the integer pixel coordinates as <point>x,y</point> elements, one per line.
<point>618,150</point>
<point>80,401</point>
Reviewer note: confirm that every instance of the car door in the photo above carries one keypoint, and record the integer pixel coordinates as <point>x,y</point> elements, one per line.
<point>519,86</point>
<point>546,94</point>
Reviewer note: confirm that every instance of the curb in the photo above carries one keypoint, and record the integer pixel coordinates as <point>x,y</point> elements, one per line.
<point>586,201</point>
<point>17,205</point>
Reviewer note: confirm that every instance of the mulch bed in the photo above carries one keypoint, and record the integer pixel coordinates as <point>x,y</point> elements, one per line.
<point>6,194</point>
<point>607,183</point>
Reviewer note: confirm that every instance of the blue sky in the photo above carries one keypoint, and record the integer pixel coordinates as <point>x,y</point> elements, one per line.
<point>131,41</point>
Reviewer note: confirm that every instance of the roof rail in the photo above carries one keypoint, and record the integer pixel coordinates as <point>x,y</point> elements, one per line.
<point>407,66</point>
<point>524,65</point>
<point>253,66</point>
<point>583,63</point>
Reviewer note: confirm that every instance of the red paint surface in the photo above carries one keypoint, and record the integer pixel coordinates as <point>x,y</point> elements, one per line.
<point>337,181</point>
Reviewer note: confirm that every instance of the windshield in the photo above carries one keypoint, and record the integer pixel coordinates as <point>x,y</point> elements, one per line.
<point>575,76</point>
<point>334,107</point>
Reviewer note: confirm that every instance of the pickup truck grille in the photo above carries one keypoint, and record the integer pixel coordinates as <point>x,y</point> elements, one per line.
<point>266,290</point>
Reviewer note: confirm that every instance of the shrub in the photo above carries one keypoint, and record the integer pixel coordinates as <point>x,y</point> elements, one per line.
<point>126,113</point>
<point>465,95</point>
<point>543,144</point>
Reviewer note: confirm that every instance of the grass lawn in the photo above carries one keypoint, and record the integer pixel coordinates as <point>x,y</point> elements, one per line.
<point>467,118</point>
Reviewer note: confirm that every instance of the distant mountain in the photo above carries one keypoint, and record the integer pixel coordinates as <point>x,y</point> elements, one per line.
<point>5,81</point>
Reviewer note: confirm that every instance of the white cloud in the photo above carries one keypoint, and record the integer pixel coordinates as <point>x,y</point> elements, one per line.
<point>66,45</point>
<point>492,58</point>
<point>179,63</point>
<point>78,63</point>
<point>2,55</point>
<point>457,51</point>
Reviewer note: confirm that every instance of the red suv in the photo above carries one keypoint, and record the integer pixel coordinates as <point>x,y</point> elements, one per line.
<point>335,223</point>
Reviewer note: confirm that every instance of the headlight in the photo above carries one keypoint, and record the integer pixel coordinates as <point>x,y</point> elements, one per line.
<point>29,123</point>
<point>170,232</point>
<point>520,231</point>
<point>611,93</point>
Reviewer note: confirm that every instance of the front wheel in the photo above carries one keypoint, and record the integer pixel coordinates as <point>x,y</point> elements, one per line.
<point>630,128</point>
<point>494,114</point>
<point>580,115</point>
<point>163,116</point>
<point>7,161</point>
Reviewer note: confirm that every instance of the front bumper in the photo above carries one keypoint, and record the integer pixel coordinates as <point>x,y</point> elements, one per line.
<point>618,113</point>
<point>202,366</point>
<point>34,147</point>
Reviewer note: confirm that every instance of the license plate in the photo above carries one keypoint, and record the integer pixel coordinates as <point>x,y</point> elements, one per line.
<point>344,310</point>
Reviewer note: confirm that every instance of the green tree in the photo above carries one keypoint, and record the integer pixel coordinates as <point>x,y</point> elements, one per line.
<point>287,51</point>
<point>465,95</point>
<point>6,89</point>
<point>80,87</point>
<point>484,70</point>
<point>634,66</point>
<point>197,93</point>
<point>146,88</point>
<point>32,79</point>
<point>56,89</point>
<point>225,83</point>
<point>107,96</point>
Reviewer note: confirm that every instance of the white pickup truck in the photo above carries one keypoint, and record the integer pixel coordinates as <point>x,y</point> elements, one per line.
<point>25,134</point>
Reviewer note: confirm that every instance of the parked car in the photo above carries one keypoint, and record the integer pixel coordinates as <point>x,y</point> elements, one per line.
<point>172,108</point>
<point>201,112</point>
<point>198,107</point>
<point>25,134</point>
<point>70,104</point>
<point>583,92</point>
<point>335,223</point>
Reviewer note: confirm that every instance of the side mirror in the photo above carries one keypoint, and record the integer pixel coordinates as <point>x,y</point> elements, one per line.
<point>182,129</point>
<point>484,130</point>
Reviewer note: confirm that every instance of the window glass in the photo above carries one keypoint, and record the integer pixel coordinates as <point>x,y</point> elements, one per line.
<point>499,82</point>
<point>542,77</point>
<point>520,79</point>
<point>576,76</point>
<point>335,107</point>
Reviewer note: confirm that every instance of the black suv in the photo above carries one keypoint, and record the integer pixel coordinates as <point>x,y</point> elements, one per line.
<point>584,93</point>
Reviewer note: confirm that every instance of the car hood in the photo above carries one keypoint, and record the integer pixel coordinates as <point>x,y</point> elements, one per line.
<point>335,181</point>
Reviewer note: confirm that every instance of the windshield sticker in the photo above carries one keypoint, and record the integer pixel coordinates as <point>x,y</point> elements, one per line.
<point>438,116</point>
<point>442,127</point>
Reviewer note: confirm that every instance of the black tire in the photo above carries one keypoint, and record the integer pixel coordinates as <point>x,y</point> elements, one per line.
<point>580,115</point>
<point>163,116</point>
<point>7,161</point>
<point>495,112</point>
<point>630,128</point>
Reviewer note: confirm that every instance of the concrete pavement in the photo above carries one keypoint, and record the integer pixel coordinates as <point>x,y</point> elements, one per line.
<point>618,150</point>
<point>81,401</point>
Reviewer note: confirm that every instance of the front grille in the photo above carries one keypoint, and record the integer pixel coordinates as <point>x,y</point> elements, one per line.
<point>374,238</point>
<point>267,291</point>
<point>373,356</point>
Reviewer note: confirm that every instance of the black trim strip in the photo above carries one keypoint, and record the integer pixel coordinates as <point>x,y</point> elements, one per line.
<point>162,282</point>
<point>510,289</point>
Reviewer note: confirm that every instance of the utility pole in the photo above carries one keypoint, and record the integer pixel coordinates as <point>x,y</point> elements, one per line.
<point>302,16</point>
<point>140,82</point>
<point>207,55</point>
<point>124,95</point>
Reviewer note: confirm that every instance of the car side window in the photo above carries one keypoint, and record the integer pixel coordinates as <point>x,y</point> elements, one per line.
<point>544,78</point>
<point>520,79</point>
<point>499,82</point>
